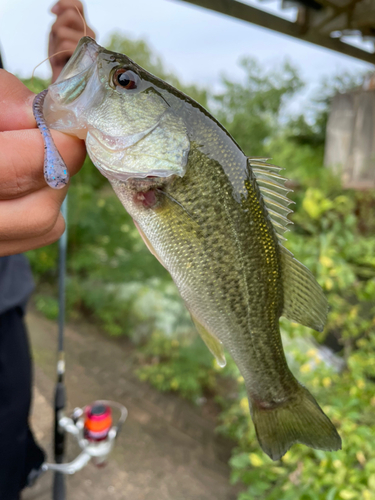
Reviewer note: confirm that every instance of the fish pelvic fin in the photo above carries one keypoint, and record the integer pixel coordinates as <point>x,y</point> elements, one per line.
<point>300,420</point>
<point>304,301</point>
<point>214,345</point>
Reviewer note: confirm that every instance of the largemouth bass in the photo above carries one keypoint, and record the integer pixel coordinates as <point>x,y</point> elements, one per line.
<point>213,217</point>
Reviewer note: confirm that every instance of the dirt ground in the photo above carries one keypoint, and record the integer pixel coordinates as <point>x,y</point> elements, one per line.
<point>167,450</point>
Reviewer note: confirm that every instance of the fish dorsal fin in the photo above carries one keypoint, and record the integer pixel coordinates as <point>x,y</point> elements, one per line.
<point>274,193</point>
<point>304,301</point>
<point>214,345</point>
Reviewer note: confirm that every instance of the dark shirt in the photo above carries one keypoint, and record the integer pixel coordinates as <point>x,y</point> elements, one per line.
<point>16,281</point>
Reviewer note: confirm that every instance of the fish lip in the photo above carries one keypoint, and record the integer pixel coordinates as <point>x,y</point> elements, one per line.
<point>119,143</point>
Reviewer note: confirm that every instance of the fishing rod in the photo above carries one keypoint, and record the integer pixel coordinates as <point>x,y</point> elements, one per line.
<point>92,426</point>
<point>59,487</point>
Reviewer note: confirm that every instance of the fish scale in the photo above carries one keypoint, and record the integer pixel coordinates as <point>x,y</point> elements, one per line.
<point>227,274</point>
<point>213,217</point>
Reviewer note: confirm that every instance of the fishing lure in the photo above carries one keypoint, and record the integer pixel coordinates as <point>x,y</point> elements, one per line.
<point>55,172</point>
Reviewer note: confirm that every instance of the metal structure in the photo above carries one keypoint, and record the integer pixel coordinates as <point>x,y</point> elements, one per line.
<point>328,23</point>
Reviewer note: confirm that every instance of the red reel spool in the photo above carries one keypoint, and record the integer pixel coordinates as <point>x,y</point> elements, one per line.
<point>98,422</point>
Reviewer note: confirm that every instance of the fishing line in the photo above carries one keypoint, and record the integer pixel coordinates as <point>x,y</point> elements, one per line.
<point>46,59</point>
<point>61,51</point>
<point>83,20</point>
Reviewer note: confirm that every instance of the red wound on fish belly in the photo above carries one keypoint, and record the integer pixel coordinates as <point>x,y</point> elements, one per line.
<point>147,198</point>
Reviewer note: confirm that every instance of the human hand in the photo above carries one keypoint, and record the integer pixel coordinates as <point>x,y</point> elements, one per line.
<point>29,209</point>
<point>65,33</point>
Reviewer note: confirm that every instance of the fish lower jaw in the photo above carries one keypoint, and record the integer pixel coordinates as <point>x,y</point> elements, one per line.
<point>114,143</point>
<point>125,162</point>
<point>118,172</point>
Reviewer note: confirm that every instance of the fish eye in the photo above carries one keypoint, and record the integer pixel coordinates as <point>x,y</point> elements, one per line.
<point>126,79</point>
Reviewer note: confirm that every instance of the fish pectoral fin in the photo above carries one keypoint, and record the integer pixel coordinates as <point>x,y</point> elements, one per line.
<point>304,301</point>
<point>300,420</point>
<point>214,345</point>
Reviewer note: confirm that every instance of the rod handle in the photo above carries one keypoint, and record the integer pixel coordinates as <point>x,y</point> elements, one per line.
<point>59,487</point>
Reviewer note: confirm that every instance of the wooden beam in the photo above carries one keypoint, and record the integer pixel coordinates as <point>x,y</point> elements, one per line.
<point>249,14</point>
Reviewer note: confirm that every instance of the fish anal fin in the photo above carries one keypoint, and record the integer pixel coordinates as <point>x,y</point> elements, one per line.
<point>304,301</point>
<point>213,343</point>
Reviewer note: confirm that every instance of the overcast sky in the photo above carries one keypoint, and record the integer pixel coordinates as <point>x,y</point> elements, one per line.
<point>197,44</point>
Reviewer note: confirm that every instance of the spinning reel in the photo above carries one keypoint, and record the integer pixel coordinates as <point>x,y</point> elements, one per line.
<point>93,428</point>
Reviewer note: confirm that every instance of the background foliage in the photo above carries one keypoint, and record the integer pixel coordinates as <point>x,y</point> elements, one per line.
<point>114,281</point>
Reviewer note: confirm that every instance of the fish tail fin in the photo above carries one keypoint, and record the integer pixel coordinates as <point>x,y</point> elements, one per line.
<point>300,420</point>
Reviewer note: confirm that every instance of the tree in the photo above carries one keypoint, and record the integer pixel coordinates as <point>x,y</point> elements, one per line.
<point>251,110</point>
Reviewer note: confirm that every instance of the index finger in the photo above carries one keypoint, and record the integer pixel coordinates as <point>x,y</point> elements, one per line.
<point>21,160</point>
<point>15,104</point>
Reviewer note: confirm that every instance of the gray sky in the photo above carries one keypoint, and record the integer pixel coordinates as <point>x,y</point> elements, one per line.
<point>197,44</point>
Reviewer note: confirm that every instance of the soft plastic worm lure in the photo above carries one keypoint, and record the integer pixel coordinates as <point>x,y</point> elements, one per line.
<point>55,172</point>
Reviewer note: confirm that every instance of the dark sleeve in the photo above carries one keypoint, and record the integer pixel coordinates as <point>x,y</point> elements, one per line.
<point>16,282</point>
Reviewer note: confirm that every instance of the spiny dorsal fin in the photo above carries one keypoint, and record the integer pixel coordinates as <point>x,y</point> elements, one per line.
<point>274,193</point>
